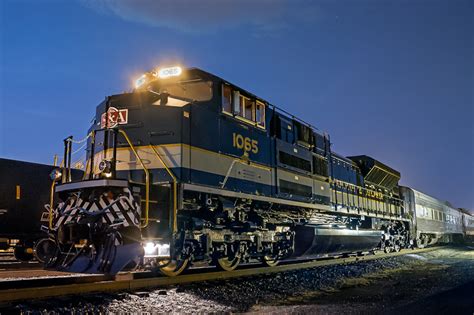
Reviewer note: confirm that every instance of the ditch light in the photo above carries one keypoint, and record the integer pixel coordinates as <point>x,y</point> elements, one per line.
<point>156,250</point>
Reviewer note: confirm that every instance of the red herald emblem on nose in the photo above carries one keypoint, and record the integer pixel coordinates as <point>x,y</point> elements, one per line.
<point>114,117</point>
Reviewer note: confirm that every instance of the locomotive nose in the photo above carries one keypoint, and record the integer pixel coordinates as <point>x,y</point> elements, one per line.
<point>95,230</point>
<point>108,261</point>
<point>108,253</point>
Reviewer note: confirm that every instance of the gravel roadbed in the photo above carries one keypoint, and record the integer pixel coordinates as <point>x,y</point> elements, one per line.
<point>377,286</point>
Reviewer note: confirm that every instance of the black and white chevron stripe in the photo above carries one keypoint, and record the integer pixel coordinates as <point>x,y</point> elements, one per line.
<point>125,211</point>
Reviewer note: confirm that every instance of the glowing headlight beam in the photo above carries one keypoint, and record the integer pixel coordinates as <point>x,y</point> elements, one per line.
<point>162,73</point>
<point>150,248</point>
<point>140,81</point>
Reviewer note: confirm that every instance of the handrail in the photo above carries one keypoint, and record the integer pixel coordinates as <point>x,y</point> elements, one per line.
<point>175,189</point>
<point>51,194</point>
<point>51,205</point>
<point>243,160</point>
<point>147,177</point>
<point>228,172</point>
<point>84,176</point>
<point>64,169</point>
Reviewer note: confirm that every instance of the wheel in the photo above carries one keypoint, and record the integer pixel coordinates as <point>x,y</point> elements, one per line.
<point>174,267</point>
<point>227,264</point>
<point>397,247</point>
<point>270,261</point>
<point>421,242</point>
<point>23,252</point>
<point>44,250</point>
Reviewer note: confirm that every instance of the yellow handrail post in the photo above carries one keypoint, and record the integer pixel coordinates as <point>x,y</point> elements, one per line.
<point>51,205</point>
<point>90,161</point>
<point>147,177</point>
<point>175,189</point>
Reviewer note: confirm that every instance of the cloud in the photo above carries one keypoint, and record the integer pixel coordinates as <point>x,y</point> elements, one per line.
<point>211,16</point>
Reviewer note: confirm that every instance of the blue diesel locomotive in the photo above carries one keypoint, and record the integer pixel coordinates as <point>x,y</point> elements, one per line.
<point>190,168</point>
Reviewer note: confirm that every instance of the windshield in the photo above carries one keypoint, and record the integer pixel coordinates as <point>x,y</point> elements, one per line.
<point>195,90</point>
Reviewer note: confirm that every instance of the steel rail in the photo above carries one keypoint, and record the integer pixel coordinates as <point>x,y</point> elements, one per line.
<point>123,284</point>
<point>43,281</point>
<point>13,265</point>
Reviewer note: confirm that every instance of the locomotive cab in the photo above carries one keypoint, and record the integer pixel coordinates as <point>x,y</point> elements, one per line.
<point>128,195</point>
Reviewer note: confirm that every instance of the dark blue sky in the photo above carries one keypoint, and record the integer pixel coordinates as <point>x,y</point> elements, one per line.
<point>390,79</point>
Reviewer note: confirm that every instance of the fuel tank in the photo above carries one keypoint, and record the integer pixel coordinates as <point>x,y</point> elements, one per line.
<point>320,240</point>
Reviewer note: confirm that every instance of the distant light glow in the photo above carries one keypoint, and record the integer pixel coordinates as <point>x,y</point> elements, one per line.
<point>169,72</point>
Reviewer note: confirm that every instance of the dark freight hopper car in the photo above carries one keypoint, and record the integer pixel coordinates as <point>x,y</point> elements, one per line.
<point>24,192</point>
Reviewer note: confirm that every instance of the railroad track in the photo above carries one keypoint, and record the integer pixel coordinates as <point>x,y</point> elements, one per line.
<point>7,256</point>
<point>27,289</point>
<point>18,265</point>
<point>9,262</point>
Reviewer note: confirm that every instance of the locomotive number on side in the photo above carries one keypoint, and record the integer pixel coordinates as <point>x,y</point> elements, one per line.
<point>244,143</point>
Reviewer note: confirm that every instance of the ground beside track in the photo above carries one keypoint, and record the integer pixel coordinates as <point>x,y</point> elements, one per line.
<point>30,273</point>
<point>9,262</point>
<point>437,282</point>
<point>430,282</point>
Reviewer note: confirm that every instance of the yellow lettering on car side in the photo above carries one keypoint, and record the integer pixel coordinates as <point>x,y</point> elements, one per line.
<point>244,143</point>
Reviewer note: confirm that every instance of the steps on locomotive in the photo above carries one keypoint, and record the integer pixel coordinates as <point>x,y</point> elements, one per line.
<point>159,213</point>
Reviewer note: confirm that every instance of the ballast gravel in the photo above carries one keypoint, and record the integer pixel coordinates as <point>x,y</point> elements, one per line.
<point>228,296</point>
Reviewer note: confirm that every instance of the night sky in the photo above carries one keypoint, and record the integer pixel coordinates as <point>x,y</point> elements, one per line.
<point>389,79</point>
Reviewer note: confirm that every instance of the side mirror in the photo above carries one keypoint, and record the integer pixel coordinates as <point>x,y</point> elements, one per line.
<point>164,98</point>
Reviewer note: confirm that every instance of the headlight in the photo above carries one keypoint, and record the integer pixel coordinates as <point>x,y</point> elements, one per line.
<point>55,174</point>
<point>164,73</point>
<point>105,167</point>
<point>144,79</point>
<point>140,81</point>
<point>156,250</point>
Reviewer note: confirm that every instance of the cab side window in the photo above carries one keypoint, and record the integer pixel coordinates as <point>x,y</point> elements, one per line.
<point>260,114</point>
<point>248,106</point>
<point>238,105</point>
<point>226,98</point>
